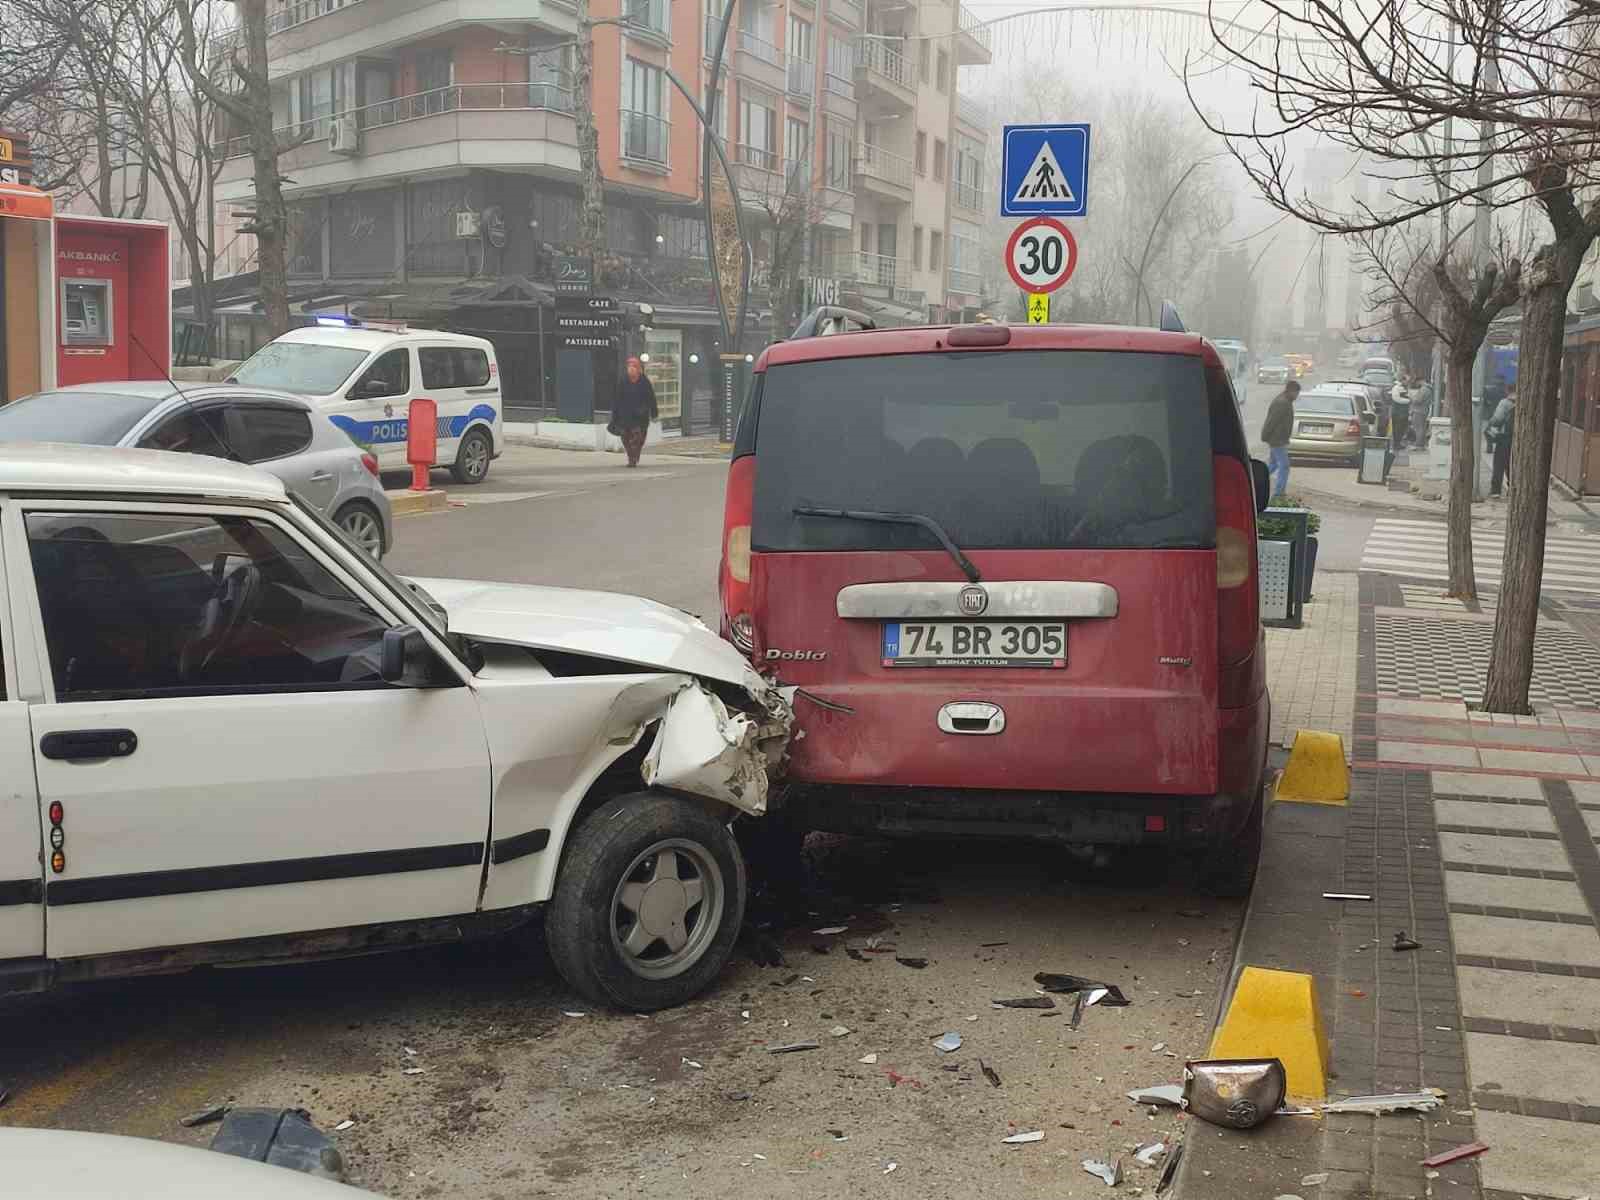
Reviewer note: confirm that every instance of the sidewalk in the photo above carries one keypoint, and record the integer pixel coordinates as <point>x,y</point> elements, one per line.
<point>1338,485</point>
<point>583,439</point>
<point>1477,836</point>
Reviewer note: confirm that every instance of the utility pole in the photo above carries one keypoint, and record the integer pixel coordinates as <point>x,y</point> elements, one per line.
<point>1481,233</point>
<point>1440,388</point>
<point>592,215</point>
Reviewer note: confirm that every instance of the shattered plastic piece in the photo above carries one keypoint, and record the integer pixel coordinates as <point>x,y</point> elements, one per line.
<point>689,1062</point>
<point>1316,1180</point>
<point>1470,1150</point>
<point>1295,1110</point>
<point>1346,896</point>
<point>1402,942</point>
<point>989,1073</point>
<point>794,1047</point>
<point>916,964</point>
<point>1171,1171</point>
<point>738,1097</point>
<point>410,1053</point>
<point>1158,1048</point>
<point>704,748</point>
<point>891,1168</point>
<point>1022,1139</point>
<point>869,1059</point>
<point>949,1043</point>
<point>828,929</point>
<point>414,1071</point>
<point>343,1125</point>
<point>1025,1002</point>
<point>204,1116</point>
<point>972,1017</point>
<point>279,1137</point>
<point>1237,1093</point>
<point>1166,1093</point>
<point>1111,1172</point>
<point>896,1079</point>
<point>1388,1103</point>
<point>1150,1153</point>
<point>1052,982</point>
<point>564,1013</point>
<point>839,1031</point>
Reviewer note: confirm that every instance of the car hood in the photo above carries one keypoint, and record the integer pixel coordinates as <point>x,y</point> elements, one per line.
<point>627,629</point>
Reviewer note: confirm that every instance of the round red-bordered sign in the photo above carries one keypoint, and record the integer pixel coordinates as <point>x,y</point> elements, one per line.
<point>1041,254</point>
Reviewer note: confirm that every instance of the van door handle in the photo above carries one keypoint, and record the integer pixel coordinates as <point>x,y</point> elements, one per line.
<point>483,391</point>
<point>78,745</point>
<point>321,476</point>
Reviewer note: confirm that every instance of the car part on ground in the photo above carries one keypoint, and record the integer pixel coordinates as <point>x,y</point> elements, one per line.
<point>280,1137</point>
<point>1237,1093</point>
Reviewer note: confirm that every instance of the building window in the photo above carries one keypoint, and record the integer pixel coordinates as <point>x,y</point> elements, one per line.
<point>942,79</point>
<point>801,43</point>
<point>836,156</point>
<point>665,348</point>
<point>758,130</point>
<point>916,247</point>
<point>938,159</point>
<point>644,127</point>
<point>841,67</point>
<point>650,16</point>
<point>923,49</point>
<point>796,142</point>
<point>756,31</point>
<point>935,250</point>
<point>922,153</point>
<point>682,237</point>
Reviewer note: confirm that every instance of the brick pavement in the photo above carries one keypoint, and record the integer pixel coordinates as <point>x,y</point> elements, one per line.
<point>1311,671</point>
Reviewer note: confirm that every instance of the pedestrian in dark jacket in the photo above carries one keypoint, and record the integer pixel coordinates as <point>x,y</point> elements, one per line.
<point>1498,434</point>
<point>634,409</point>
<point>1275,432</point>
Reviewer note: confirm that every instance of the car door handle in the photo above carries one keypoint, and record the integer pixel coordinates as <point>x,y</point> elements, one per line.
<point>75,745</point>
<point>321,476</point>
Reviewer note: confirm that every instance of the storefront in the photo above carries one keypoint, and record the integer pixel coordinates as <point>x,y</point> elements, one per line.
<point>27,359</point>
<point>1576,457</point>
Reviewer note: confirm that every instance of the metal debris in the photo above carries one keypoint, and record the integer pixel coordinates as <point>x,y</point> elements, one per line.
<point>1022,1139</point>
<point>1236,1093</point>
<point>839,1031</point>
<point>891,1168</point>
<point>1150,1153</point>
<point>1158,1048</point>
<point>794,1047</point>
<point>992,945</point>
<point>343,1125</point>
<point>414,1071</point>
<point>828,929</point>
<point>1347,896</point>
<point>689,1062</point>
<point>565,1013</point>
<point>916,964</point>
<point>989,1073</point>
<point>1425,1101</point>
<point>1111,1172</point>
<point>204,1116</point>
<point>1171,1171</point>
<point>1166,1093</point>
<point>869,1059</point>
<point>1470,1150</point>
<point>1052,981</point>
<point>1025,1002</point>
<point>1402,942</point>
<point>949,1043</point>
<point>1316,1180</point>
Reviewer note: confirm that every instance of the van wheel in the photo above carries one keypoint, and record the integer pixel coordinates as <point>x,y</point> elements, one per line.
<point>472,459</point>
<point>1229,871</point>
<point>648,903</point>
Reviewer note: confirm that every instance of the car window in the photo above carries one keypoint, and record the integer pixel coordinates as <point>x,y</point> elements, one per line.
<point>91,417</point>
<point>140,605</point>
<point>438,367</point>
<point>269,431</point>
<point>192,431</point>
<point>392,370</point>
<point>306,368</point>
<point>472,367</point>
<point>1331,403</point>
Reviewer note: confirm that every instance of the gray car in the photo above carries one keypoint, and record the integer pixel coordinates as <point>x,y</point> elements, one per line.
<point>276,431</point>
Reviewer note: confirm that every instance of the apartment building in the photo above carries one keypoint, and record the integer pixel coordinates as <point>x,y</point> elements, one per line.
<point>432,167</point>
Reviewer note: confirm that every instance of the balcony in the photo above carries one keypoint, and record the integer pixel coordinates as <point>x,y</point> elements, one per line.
<point>966,195</point>
<point>315,33</point>
<point>802,78</point>
<point>502,123</point>
<point>644,139</point>
<point>758,47</point>
<point>848,11</point>
<point>651,20</point>
<point>966,283</point>
<point>975,42</point>
<point>299,12</point>
<point>971,112</point>
<point>884,270</point>
<point>886,73</point>
<point>883,173</point>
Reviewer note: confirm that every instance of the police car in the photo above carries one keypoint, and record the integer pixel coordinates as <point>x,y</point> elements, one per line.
<point>365,375</point>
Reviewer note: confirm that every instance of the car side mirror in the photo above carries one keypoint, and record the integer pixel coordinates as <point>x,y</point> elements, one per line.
<point>405,658</point>
<point>1262,482</point>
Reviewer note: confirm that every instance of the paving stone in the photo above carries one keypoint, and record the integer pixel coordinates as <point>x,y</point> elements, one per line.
<point>1585,791</point>
<point>1510,891</point>
<point>1531,1156</point>
<point>1521,996</point>
<point>1487,850</point>
<point>1532,760</point>
<point>1427,754</point>
<point>1424,708</point>
<point>1574,718</point>
<point>1502,937</point>
<point>1493,816</point>
<point>1462,783</point>
<point>1560,1072</point>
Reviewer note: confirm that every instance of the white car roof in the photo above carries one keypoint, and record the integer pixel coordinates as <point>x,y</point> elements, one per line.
<point>379,339</point>
<point>61,468</point>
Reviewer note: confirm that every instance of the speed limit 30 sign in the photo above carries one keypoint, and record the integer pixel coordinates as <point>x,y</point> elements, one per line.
<point>1041,255</point>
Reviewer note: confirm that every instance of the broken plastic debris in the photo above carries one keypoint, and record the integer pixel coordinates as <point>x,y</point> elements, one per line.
<point>869,1059</point>
<point>736,1097</point>
<point>343,1125</point>
<point>1402,942</point>
<point>949,1043</point>
<point>1150,1153</point>
<point>689,1062</point>
<point>972,1016</point>
<point>794,1047</point>
<point>204,1116</point>
<point>1166,1093</point>
<point>1316,1180</point>
<point>891,1168</point>
<point>1025,1002</point>
<point>989,1073</point>
<point>839,1031</point>
<point>1158,1048</point>
<point>1111,1172</point>
<point>1296,1110</point>
<point>896,1079</point>
<point>1346,896</point>
<point>414,1071</point>
<point>410,1053</point>
<point>1170,1171</point>
<point>1425,1101</point>
<point>916,964</point>
<point>826,929</point>
<point>1022,1139</point>
<point>1449,1156</point>
<point>1237,1093</point>
<point>565,1013</point>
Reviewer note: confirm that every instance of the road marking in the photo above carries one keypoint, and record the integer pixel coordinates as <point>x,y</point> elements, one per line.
<point>1420,549</point>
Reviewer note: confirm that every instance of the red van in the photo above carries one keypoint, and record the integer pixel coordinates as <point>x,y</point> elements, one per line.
<point>1011,573</point>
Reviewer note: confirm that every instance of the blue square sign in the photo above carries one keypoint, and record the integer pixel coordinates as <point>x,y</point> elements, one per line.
<point>1044,171</point>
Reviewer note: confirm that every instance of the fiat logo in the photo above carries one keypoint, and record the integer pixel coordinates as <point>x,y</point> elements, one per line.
<point>972,600</point>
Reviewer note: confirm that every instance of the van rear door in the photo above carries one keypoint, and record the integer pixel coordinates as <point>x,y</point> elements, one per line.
<point>1077,483</point>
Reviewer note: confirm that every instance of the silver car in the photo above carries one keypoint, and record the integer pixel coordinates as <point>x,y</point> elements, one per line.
<point>275,431</point>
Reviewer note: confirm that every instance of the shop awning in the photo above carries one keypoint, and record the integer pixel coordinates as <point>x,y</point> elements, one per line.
<point>20,200</point>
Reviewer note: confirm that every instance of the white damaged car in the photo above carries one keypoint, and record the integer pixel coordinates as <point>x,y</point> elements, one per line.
<point>229,737</point>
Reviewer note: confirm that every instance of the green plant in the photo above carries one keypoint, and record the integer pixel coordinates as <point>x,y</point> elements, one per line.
<point>1271,528</point>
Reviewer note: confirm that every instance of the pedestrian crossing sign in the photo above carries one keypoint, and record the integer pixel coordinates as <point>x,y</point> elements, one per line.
<point>1039,308</point>
<point>1044,170</point>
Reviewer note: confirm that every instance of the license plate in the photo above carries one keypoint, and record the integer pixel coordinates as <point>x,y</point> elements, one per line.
<point>1316,427</point>
<point>975,644</point>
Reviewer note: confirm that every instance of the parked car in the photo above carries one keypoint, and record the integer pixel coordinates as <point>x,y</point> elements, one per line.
<point>229,736</point>
<point>364,379</point>
<point>1302,364</point>
<point>278,432</point>
<point>1327,424</point>
<point>1011,571</point>
<point>1354,387</point>
<point>1277,369</point>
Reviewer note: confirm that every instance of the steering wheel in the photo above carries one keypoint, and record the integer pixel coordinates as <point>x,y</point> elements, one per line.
<point>221,617</point>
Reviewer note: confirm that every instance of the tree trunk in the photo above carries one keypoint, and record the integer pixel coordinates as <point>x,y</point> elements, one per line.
<point>272,214</point>
<point>1532,446</point>
<point>1463,467</point>
<point>592,213</point>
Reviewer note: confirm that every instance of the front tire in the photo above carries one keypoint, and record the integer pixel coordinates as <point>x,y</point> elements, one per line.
<point>473,458</point>
<point>648,903</point>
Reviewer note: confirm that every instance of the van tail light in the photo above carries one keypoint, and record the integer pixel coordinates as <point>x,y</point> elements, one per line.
<point>370,462</point>
<point>1353,429</point>
<point>733,580</point>
<point>1239,666</point>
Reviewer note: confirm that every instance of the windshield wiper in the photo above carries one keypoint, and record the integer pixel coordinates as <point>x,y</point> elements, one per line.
<point>898,518</point>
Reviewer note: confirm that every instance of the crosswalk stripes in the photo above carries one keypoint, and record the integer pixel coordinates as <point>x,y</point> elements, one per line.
<point>1418,549</point>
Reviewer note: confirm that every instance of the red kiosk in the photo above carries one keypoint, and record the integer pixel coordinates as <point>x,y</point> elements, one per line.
<point>113,299</point>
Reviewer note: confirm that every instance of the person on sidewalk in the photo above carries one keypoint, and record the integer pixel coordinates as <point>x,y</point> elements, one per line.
<point>1275,432</point>
<point>1498,434</point>
<point>1400,413</point>
<point>1423,410</point>
<point>634,409</point>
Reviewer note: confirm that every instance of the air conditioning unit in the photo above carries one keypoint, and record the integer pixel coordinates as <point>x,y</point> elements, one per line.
<point>468,225</point>
<point>344,137</point>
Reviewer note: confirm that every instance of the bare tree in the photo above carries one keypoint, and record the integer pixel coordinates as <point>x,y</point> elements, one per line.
<point>1389,84</point>
<point>792,207</point>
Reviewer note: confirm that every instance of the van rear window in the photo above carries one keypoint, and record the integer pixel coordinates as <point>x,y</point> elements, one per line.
<point>1031,449</point>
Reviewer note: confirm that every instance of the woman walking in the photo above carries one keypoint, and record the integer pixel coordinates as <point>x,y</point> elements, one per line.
<point>634,409</point>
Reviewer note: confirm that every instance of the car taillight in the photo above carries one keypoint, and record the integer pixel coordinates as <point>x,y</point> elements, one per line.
<point>1238,588</point>
<point>1353,429</point>
<point>370,462</point>
<point>734,577</point>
